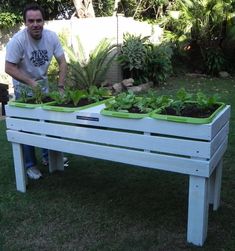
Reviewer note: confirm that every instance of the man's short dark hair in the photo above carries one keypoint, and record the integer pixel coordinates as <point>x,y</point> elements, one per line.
<point>33,6</point>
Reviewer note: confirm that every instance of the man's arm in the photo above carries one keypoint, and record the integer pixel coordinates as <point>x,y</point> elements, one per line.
<point>62,70</point>
<point>17,74</point>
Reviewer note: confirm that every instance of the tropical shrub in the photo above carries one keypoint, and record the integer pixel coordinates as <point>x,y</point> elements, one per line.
<point>215,61</point>
<point>133,55</point>
<point>144,61</point>
<point>200,27</point>
<point>9,19</point>
<point>84,72</point>
<point>103,8</point>
<point>158,65</point>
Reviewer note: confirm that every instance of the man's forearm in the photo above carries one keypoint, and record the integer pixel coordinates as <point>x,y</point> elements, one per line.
<point>62,71</point>
<point>17,74</point>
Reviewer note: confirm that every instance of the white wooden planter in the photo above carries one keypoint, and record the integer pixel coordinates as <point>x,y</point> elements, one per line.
<point>191,149</point>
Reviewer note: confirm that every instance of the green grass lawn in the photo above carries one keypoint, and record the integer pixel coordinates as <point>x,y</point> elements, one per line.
<point>99,205</point>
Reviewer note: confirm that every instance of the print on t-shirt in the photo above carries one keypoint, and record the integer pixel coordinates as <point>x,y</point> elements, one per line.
<point>39,57</point>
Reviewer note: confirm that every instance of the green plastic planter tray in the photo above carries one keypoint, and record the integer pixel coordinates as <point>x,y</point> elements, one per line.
<point>26,105</point>
<point>190,120</point>
<point>53,107</point>
<point>124,115</point>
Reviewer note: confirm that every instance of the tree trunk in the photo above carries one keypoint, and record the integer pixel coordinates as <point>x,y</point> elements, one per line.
<point>115,7</point>
<point>84,8</point>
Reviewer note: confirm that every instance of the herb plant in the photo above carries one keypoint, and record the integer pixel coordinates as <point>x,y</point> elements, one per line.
<point>122,102</point>
<point>38,95</point>
<point>179,102</point>
<point>77,95</point>
<point>205,102</point>
<point>57,96</point>
<point>128,101</point>
<point>23,96</point>
<point>97,93</point>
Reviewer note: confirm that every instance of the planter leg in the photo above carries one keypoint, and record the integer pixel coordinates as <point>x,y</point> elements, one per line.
<point>55,161</point>
<point>215,185</point>
<point>20,173</point>
<point>197,210</point>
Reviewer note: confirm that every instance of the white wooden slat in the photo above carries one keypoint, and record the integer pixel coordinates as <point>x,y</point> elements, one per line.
<point>219,138</point>
<point>218,155</point>
<point>197,210</point>
<point>125,139</point>
<point>133,157</point>
<point>146,124</point>
<point>221,119</point>
<point>150,125</point>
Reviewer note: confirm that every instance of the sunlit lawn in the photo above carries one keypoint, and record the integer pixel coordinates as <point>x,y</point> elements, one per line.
<point>101,205</point>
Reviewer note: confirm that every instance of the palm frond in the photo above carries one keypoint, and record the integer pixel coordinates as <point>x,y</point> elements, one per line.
<point>91,71</point>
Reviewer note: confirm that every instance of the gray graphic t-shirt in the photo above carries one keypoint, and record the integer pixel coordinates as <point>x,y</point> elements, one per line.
<point>33,56</point>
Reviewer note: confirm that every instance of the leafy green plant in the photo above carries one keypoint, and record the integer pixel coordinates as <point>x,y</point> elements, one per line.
<point>23,96</point>
<point>133,55</point>
<point>200,26</point>
<point>215,61</point>
<point>77,95</point>
<point>158,65</point>
<point>144,61</point>
<point>155,101</point>
<point>205,102</point>
<point>74,96</point>
<point>129,102</point>
<point>98,93</point>
<point>191,105</point>
<point>57,96</point>
<point>179,102</point>
<point>84,72</point>
<point>122,102</point>
<point>8,19</point>
<point>38,95</point>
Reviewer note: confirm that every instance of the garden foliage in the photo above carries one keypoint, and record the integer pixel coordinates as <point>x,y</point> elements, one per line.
<point>144,61</point>
<point>85,72</point>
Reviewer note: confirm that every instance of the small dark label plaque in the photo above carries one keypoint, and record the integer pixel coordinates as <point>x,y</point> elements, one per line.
<point>87,118</point>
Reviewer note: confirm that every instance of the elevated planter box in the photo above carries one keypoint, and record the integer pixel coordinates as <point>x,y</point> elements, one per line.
<point>190,149</point>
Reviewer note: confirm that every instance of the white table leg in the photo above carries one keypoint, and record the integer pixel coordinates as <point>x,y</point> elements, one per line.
<point>211,185</point>
<point>197,210</point>
<point>55,161</point>
<point>20,173</point>
<point>215,185</point>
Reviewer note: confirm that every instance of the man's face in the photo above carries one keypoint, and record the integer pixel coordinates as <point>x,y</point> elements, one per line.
<point>34,21</point>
